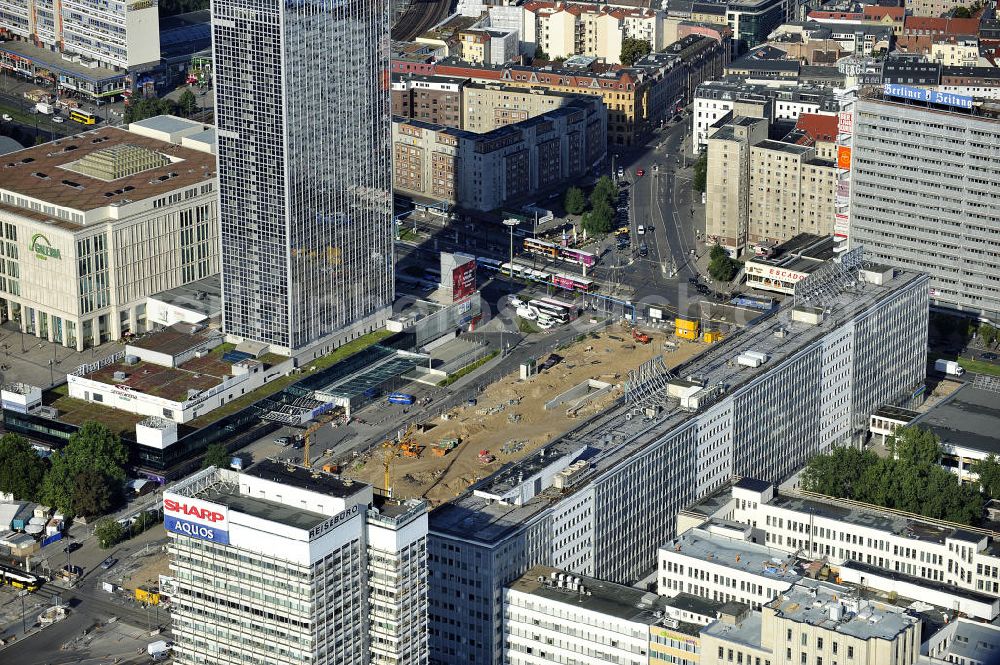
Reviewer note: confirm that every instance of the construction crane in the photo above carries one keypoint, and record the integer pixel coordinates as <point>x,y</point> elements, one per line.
<point>306,462</point>
<point>393,448</point>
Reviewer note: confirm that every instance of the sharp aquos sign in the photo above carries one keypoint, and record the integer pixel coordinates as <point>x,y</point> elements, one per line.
<point>196,518</point>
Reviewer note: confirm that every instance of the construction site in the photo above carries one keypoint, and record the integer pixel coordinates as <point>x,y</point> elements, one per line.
<point>515,416</point>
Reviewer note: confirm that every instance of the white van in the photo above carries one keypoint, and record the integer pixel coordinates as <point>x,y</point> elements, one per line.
<point>641,230</point>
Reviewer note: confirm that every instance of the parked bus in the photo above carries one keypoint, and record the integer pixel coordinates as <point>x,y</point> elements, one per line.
<point>401,398</point>
<point>541,247</point>
<point>19,579</point>
<point>549,311</point>
<point>577,256</point>
<point>488,264</point>
<point>571,310</point>
<point>572,282</point>
<point>82,117</point>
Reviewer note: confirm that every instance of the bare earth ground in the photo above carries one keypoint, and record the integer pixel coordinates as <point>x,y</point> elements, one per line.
<point>509,419</point>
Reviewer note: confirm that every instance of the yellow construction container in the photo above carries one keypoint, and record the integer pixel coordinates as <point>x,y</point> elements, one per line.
<point>147,596</point>
<point>712,336</point>
<point>686,329</point>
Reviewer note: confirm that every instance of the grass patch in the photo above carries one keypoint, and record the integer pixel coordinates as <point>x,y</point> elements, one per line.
<point>471,367</point>
<point>283,382</point>
<point>78,411</point>
<point>222,349</point>
<point>407,234</point>
<point>62,390</point>
<point>979,366</point>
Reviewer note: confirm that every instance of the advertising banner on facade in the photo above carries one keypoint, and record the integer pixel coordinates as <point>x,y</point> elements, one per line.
<point>196,518</point>
<point>926,95</point>
<point>843,157</point>
<point>845,123</point>
<point>463,280</point>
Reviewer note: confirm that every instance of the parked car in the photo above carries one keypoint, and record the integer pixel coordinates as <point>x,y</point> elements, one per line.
<point>641,230</point>
<point>7,118</point>
<point>72,547</point>
<point>990,356</point>
<point>640,172</point>
<point>107,563</point>
<point>643,249</point>
<point>283,440</point>
<point>57,118</point>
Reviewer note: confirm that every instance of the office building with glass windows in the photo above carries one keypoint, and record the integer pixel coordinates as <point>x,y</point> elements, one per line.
<point>303,115</point>
<point>286,565</point>
<point>94,224</point>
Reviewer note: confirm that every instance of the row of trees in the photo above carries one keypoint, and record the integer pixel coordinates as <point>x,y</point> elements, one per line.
<point>147,107</point>
<point>110,532</point>
<point>602,206</point>
<point>909,479</point>
<point>84,478</point>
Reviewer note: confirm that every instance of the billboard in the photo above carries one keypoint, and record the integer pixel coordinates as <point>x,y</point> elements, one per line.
<point>926,95</point>
<point>845,123</point>
<point>196,518</point>
<point>843,157</point>
<point>463,280</point>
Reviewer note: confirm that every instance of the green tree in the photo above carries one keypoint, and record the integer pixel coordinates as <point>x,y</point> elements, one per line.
<point>633,50</point>
<point>215,455</point>
<point>187,103</point>
<point>915,446</point>
<point>93,448</point>
<point>597,220</point>
<point>699,180</point>
<point>720,266</point>
<point>21,469</point>
<point>962,12</point>
<point>93,493</point>
<point>988,334</point>
<point>604,191</point>
<point>988,470</point>
<point>109,533</point>
<point>540,54</point>
<point>575,202</point>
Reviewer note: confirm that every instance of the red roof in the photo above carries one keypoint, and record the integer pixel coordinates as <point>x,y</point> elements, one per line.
<point>818,127</point>
<point>915,25</point>
<point>875,11</point>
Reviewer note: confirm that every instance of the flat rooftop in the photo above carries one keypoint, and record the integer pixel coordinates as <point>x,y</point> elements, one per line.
<point>615,600</point>
<point>44,173</point>
<point>969,417</point>
<point>172,383</point>
<point>738,555</point>
<point>973,642</point>
<point>810,602</point>
<point>803,253</point>
<point>272,511</point>
<point>176,339</point>
<point>921,582</point>
<point>607,440</point>
<point>55,62</point>
<point>688,602</point>
<point>303,478</point>
<point>203,296</point>
<point>745,632</point>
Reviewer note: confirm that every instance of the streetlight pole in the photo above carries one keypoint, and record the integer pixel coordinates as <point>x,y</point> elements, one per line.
<point>511,223</point>
<point>22,594</point>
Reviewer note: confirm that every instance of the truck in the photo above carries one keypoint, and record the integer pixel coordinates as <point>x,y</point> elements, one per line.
<point>45,108</point>
<point>949,367</point>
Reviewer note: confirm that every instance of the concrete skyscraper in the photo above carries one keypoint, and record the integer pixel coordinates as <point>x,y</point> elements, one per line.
<point>302,110</point>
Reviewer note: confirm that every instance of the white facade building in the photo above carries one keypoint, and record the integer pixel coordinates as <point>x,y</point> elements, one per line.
<point>95,223</point>
<point>960,563</point>
<point>284,565</point>
<point>720,562</point>
<point>119,35</point>
<point>561,29</point>
<point>713,100</point>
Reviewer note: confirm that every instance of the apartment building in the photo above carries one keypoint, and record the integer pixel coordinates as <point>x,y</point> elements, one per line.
<point>488,45</point>
<point>563,29</point>
<point>930,8</point>
<point>433,99</point>
<point>925,195</point>
<point>95,223</point>
<point>608,517</point>
<point>727,184</point>
<point>714,99</point>
<point>117,35</point>
<point>489,106</point>
<point>719,561</point>
<point>550,616</point>
<point>487,171</point>
<point>285,565</point>
<point>814,622</point>
<point>939,562</point>
<point>792,191</point>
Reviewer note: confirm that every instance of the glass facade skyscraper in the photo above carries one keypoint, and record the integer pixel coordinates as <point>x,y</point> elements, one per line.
<point>303,121</point>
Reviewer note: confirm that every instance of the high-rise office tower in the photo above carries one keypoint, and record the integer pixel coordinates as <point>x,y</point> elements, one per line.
<point>285,565</point>
<point>302,109</point>
<point>924,195</point>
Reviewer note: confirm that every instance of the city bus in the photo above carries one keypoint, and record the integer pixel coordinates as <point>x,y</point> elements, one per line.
<point>401,398</point>
<point>541,247</point>
<point>82,117</point>
<point>19,579</point>
<point>572,282</point>
<point>485,263</point>
<point>549,311</point>
<point>571,310</point>
<point>577,256</point>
